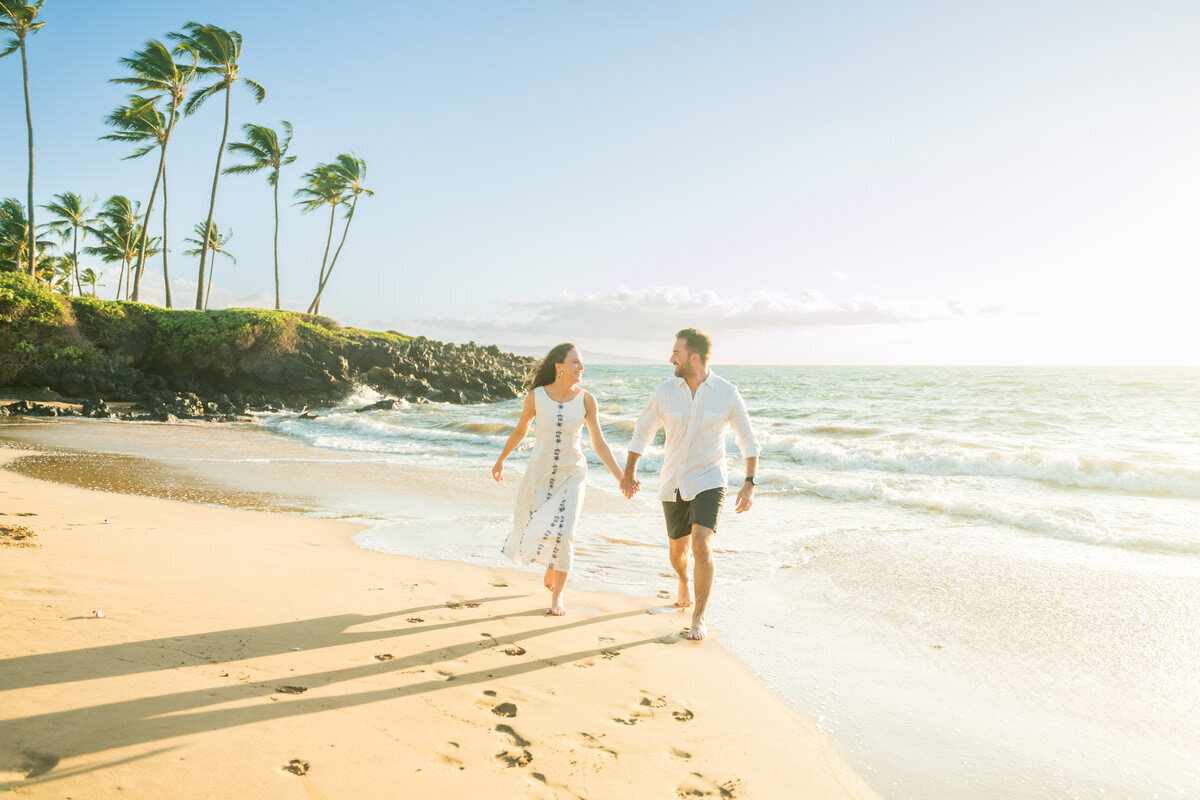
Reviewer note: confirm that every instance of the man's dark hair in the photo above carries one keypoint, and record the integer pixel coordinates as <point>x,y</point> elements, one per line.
<point>697,342</point>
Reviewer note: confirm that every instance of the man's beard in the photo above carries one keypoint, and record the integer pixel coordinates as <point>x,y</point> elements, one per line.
<point>683,371</point>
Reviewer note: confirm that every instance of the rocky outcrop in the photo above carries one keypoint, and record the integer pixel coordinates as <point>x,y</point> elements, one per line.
<point>219,364</point>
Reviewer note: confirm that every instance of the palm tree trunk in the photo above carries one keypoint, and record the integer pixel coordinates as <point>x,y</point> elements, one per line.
<point>321,288</point>
<point>201,297</point>
<point>135,275</point>
<point>29,124</point>
<point>211,269</point>
<point>120,280</point>
<point>321,277</point>
<point>166,273</point>
<point>276,241</point>
<point>75,250</point>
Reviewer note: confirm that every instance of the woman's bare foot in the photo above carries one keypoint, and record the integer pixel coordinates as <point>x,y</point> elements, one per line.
<point>699,629</point>
<point>556,609</point>
<point>548,579</point>
<point>685,594</point>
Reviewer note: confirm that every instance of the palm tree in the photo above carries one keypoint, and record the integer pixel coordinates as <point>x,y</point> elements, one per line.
<point>217,50</point>
<point>214,241</point>
<point>156,73</point>
<point>351,172</point>
<point>265,150</point>
<point>17,18</point>
<point>72,215</point>
<point>90,278</point>
<point>14,238</point>
<point>120,235</point>
<point>57,272</point>
<point>322,185</point>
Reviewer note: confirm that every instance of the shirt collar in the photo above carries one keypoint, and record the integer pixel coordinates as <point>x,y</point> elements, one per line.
<point>706,382</point>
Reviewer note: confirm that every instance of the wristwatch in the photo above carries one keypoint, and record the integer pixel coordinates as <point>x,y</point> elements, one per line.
<point>750,480</point>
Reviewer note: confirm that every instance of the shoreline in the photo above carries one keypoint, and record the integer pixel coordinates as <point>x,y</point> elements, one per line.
<point>184,689</point>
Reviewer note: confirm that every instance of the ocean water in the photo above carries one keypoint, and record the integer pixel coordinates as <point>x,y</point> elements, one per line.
<point>981,582</point>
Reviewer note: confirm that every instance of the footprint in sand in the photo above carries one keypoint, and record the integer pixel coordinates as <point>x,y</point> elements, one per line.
<point>515,758</point>
<point>505,710</point>
<point>291,689</point>
<point>648,703</point>
<point>500,584</point>
<point>447,754</point>
<point>514,650</point>
<point>610,654</point>
<point>35,764</point>
<point>589,741</point>
<point>512,737</point>
<point>681,755</point>
<point>606,640</point>
<point>414,619</point>
<point>384,657</point>
<point>696,785</point>
<point>297,766</point>
<point>442,675</point>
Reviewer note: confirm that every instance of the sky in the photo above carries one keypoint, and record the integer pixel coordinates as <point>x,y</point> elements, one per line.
<point>810,183</point>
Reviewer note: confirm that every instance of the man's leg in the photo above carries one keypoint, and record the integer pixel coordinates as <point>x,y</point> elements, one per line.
<point>679,560</point>
<point>702,578</point>
<point>678,515</point>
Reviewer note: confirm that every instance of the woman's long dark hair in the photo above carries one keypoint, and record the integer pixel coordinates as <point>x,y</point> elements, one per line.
<point>542,373</point>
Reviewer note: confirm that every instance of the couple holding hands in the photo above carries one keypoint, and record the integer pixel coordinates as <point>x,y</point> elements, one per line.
<point>694,408</point>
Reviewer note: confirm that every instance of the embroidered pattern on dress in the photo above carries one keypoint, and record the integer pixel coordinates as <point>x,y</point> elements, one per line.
<point>559,519</point>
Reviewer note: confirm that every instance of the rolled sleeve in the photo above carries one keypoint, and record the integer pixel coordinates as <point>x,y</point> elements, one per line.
<point>739,420</point>
<point>647,425</point>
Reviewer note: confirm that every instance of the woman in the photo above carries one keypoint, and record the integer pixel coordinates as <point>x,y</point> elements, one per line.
<point>551,493</point>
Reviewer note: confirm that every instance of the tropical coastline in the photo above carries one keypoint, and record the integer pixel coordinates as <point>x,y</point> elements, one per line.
<point>906,569</point>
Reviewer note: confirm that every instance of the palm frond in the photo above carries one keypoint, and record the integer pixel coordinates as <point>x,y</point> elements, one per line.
<point>255,88</point>
<point>199,96</point>
<point>243,169</point>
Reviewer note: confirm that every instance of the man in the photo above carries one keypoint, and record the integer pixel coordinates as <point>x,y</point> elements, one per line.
<point>695,408</point>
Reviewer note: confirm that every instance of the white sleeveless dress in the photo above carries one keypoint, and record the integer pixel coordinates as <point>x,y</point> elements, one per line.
<point>550,495</point>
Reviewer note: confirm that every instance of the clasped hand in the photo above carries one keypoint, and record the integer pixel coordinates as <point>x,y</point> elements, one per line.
<point>630,486</point>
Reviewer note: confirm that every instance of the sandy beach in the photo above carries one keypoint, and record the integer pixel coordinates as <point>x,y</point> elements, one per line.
<point>249,654</point>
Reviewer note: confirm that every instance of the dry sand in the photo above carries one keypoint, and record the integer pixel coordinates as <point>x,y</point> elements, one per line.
<point>254,655</point>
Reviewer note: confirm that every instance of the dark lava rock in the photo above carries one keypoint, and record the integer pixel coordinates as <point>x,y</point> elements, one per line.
<point>382,405</point>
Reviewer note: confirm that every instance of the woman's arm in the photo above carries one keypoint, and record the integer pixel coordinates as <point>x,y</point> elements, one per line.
<point>592,416</point>
<point>515,437</point>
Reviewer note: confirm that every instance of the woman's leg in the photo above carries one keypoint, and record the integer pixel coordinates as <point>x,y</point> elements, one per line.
<point>556,601</point>
<point>548,579</point>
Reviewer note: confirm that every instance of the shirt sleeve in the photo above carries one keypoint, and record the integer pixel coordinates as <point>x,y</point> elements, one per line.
<point>739,420</point>
<point>647,424</point>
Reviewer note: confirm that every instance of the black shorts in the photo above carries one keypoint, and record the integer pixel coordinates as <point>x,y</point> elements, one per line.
<point>703,509</point>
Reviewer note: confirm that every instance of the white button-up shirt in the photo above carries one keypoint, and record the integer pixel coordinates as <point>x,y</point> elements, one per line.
<point>695,451</point>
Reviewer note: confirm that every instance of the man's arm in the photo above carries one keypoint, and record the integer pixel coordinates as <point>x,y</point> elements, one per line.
<point>745,495</point>
<point>643,432</point>
<point>739,420</point>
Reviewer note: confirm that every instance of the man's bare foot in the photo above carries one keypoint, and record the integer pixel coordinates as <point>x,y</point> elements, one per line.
<point>548,579</point>
<point>557,609</point>
<point>699,630</point>
<point>685,595</point>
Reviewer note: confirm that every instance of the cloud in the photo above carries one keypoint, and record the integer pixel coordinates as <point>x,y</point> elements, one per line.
<point>630,315</point>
